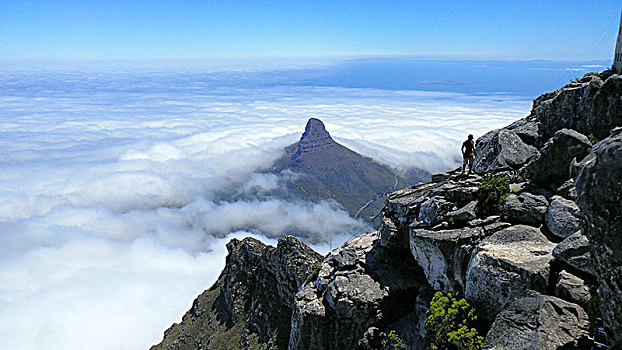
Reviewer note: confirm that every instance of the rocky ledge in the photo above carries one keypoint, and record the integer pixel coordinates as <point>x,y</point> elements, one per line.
<point>542,267</point>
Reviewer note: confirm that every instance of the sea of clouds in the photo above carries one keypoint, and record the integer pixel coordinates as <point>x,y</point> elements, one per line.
<point>122,181</point>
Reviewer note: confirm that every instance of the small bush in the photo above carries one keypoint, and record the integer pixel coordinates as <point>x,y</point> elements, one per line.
<point>592,138</point>
<point>391,341</point>
<point>314,273</point>
<point>492,193</point>
<point>588,74</point>
<point>451,221</point>
<point>450,325</point>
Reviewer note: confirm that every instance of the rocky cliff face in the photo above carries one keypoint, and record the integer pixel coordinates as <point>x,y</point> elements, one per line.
<point>532,264</point>
<point>250,305</point>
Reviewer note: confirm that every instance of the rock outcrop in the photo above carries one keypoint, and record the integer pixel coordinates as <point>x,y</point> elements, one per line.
<point>599,190</point>
<point>501,149</point>
<point>551,165</point>
<point>360,285</point>
<point>250,305</point>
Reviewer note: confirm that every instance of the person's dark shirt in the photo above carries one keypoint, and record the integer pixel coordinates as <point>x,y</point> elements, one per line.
<point>468,147</point>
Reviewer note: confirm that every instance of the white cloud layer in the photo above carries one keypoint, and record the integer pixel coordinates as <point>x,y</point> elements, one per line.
<point>113,186</point>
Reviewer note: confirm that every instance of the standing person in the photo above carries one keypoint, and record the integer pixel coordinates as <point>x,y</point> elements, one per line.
<point>468,153</point>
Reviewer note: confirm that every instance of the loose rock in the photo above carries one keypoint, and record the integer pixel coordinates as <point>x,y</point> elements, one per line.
<point>562,217</point>
<point>504,265</point>
<point>525,208</point>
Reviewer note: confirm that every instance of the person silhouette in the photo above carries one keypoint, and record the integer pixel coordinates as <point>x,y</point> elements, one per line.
<point>468,153</point>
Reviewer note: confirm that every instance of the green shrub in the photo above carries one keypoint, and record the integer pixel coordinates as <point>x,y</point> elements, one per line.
<point>391,341</point>
<point>592,138</point>
<point>450,325</point>
<point>588,74</point>
<point>451,221</point>
<point>492,193</point>
<point>315,271</point>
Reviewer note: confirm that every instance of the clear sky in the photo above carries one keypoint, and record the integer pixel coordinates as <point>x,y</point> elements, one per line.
<point>520,29</point>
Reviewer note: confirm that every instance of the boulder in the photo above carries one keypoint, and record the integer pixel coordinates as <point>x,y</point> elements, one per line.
<point>574,252</point>
<point>444,254</point>
<point>551,166</point>
<point>528,129</point>
<point>567,189</point>
<point>359,285</point>
<point>430,210</point>
<point>539,322</point>
<point>599,189</point>
<point>391,237</point>
<point>501,149</point>
<point>525,208</point>
<point>504,265</point>
<point>562,217</point>
<point>573,289</point>
<point>463,214</point>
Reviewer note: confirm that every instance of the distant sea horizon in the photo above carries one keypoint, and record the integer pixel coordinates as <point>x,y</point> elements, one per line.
<point>524,77</point>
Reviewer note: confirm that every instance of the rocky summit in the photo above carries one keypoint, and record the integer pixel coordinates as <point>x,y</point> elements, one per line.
<point>325,169</point>
<point>533,240</point>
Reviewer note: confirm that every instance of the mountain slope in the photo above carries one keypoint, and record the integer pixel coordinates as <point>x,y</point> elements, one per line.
<point>327,169</point>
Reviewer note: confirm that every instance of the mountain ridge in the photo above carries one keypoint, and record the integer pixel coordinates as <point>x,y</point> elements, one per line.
<point>541,270</point>
<point>328,169</point>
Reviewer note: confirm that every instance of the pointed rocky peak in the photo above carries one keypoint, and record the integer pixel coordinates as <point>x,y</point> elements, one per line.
<point>314,131</point>
<point>315,136</point>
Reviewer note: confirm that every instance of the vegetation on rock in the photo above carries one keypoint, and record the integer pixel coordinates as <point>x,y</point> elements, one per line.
<point>391,341</point>
<point>450,324</point>
<point>314,273</point>
<point>492,193</point>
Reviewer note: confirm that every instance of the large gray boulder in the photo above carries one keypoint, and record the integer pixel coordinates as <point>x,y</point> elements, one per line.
<point>444,254</point>
<point>551,166</point>
<point>359,285</point>
<point>525,208</point>
<point>574,251</point>
<point>504,265</point>
<point>464,214</point>
<point>501,149</point>
<point>599,189</point>
<point>431,210</point>
<point>562,217</point>
<point>573,289</point>
<point>528,129</point>
<point>539,322</point>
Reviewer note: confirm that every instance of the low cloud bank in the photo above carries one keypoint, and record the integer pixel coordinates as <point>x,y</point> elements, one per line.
<point>119,189</point>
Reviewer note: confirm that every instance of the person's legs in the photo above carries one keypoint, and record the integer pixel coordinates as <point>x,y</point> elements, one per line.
<point>470,165</point>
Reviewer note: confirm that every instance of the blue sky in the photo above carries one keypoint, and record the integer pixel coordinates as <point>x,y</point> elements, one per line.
<point>569,30</point>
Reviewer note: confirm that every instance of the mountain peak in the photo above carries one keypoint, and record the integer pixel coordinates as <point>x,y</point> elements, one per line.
<point>315,136</point>
<point>314,130</point>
